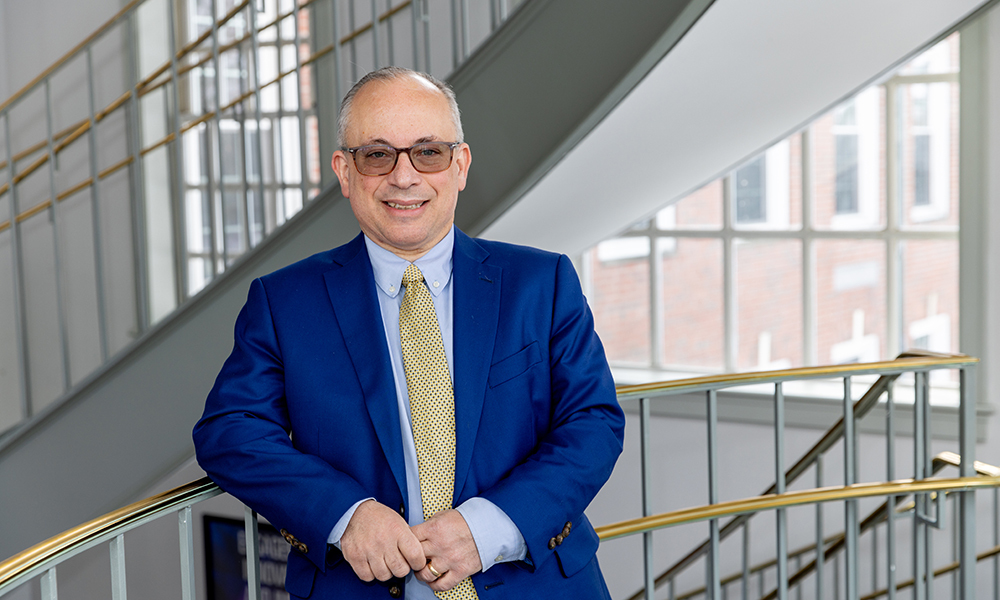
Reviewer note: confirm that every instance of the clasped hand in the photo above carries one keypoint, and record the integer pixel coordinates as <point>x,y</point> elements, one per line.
<point>378,544</point>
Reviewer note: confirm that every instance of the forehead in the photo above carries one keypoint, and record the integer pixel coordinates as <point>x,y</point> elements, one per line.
<point>400,111</point>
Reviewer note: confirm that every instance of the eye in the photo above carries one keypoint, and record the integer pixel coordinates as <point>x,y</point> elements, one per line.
<point>376,153</point>
<point>429,151</point>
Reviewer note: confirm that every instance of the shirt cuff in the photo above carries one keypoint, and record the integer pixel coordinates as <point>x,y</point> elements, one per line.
<point>341,526</point>
<point>497,538</point>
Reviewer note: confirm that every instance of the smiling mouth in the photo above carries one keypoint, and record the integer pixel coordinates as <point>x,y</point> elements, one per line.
<point>406,206</point>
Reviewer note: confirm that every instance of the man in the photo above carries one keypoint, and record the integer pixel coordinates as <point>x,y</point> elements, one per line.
<point>375,386</point>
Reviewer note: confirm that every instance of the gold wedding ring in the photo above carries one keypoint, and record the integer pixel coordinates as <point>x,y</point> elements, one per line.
<point>433,571</point>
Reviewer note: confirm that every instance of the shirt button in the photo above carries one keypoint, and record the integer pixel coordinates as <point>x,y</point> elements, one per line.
<point>437,284</point>
<point>498,558</point>
<point>392,288</point>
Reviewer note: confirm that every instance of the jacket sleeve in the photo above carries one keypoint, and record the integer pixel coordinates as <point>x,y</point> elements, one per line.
<point>243,440</point>
<point>546,494</point>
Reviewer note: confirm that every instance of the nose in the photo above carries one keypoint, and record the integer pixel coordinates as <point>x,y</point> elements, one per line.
<point>404,175</point>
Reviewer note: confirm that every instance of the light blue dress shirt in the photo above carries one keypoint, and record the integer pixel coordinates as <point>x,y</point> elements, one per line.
<point>497,538</point>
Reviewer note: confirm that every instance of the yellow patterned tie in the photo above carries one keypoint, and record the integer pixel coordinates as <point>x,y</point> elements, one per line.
<point>432,405</point>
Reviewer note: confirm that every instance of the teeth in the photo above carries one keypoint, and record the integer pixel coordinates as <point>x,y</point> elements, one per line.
<point>405,206</point>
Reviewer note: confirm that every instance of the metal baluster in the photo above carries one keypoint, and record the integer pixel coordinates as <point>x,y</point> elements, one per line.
<point>820,546</point>
<point>376,54</point>
<point>215,192</point>
<point>466,33</point>
<point>850,506</point>
<point>185,523</point>
<point>414,11</point>
<point>351,24</point>
<point>494,15</point>
<point>253,552</point>
<point>277,133</point>
<point>49,587</point>
<point>258,147</point>
<point>890,474</point>
<point>389,35</point>
<point>180,206</point>
<point>956,541</point>
<point>649,576</point>
<point>924,406</point>
<point>17,267</point>
<point>967,444</point>
<point>300,110</point>
<point>456,50</point>
<point>338,78</point>
<point>919,506</point>
<point>135,171</point>
<point>996,542</point>
<point>118,587</point>
<point>745,559</point>
<point>779,470</point>
<point>95,215</point>
<point>874,557</point>
<point>798,567</point>
<point>244,157</point>
<point>712,560</point>
<point>56,254</point>
<point>426,17</point>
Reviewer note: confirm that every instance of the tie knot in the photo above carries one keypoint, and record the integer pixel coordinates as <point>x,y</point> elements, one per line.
<point>412,274</point>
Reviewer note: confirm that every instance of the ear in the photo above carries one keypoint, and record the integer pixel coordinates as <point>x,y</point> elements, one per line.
<point>341,164</point>
<point>463,159</point>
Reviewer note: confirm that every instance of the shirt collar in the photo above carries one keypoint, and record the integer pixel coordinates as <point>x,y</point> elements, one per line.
<point>435,265</point>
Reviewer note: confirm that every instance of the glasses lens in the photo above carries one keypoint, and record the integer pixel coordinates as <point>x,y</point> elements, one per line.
<point>375,160</point>
<point>431,157</point>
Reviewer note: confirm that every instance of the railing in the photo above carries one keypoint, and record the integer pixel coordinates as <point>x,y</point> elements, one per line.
<point>920,364</point>
<point>144,188</point>
<point>927,493</point>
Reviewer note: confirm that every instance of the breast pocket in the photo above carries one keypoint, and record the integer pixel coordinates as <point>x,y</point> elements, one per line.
<point>514,365</point>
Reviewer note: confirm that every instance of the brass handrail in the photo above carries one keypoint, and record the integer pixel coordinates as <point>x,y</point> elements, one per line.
<point>788,499</point>
<point>912,360</point>
<point>102,528</point>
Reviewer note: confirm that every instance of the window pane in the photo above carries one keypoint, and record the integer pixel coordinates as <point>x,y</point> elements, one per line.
<point>940,58</point>
<point>850,300</point>
<point>692,303</point>
<point>702,209</point>
<point>930,295</point>
<point>848,159</point>
<point>768,304</point>
<point>767,191</point>
<point>928,122</point>
<point>619,275</point>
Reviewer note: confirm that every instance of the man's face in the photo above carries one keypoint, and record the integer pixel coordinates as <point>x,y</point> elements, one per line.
<point>406,212</point>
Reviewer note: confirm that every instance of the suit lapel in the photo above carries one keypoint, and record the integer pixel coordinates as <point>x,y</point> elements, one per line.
<point>475,318</point>
<point>352,294</point>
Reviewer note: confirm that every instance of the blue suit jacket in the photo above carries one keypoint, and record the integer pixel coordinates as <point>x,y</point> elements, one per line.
<point>302,421</point>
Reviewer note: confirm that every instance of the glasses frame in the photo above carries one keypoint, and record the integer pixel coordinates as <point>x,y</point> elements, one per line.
<point>398,151</point>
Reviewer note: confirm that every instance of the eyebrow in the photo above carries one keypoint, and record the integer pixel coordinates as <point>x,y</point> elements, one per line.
<point>384,142</point>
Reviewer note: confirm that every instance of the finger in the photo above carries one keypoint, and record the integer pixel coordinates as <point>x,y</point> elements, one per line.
<point>361,569</point>
<point>445,582</point>
<point>412,551</point>
<point>380,569</point>
<point>397,564</point>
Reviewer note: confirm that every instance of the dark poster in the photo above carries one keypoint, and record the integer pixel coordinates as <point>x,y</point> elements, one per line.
<point>225,560</point>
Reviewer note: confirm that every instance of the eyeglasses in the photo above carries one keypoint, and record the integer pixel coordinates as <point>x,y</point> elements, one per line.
<point>380,159</point>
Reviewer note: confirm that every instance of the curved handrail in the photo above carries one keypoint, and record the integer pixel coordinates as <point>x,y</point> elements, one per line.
<point>911,360</point>
<point>40,556</point>
<point>91,533</point>
<point>772,501</point>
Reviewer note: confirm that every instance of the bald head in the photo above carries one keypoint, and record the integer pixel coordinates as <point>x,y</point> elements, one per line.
<point>386,74</point>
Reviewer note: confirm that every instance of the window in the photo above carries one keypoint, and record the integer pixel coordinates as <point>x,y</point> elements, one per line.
<point>800,271</point>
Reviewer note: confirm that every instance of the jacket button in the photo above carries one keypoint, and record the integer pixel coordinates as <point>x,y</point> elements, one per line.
<point>402,509</point>
<point>559,539</point>
<point>552,544</point>
<point>567,528</point>
<point>395,591</point>
<point>301,547</point>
